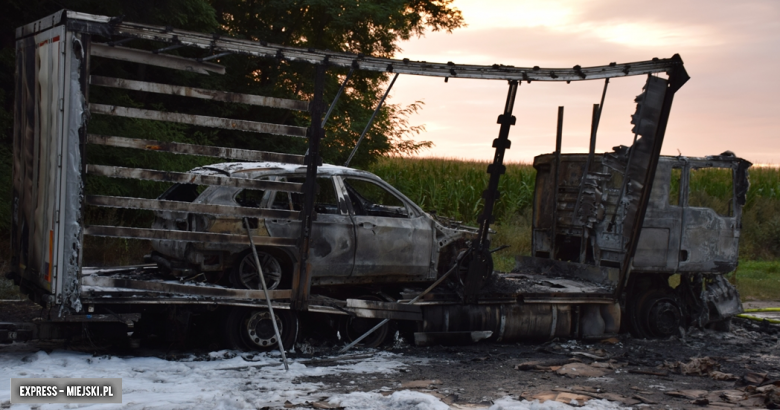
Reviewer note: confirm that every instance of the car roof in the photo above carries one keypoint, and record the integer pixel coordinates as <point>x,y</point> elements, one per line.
<point>258,169</point>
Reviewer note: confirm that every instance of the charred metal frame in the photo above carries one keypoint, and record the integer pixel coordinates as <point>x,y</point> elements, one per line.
<point>302,281</point>
<point>88,25</point>
<point>480,264</point>
<point>677,78</point>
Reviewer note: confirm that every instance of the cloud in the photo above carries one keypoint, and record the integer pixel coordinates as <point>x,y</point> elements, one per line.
<point>729,49</point>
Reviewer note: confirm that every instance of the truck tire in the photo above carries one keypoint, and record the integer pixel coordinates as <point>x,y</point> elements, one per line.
<point>655,313</point>
<point>250,329</point>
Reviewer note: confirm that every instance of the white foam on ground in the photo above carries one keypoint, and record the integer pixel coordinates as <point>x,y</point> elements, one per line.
<point>227,380</point>
<point>508,403</point>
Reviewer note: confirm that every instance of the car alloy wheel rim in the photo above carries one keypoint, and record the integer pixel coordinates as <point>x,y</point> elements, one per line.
<point>272,271</point>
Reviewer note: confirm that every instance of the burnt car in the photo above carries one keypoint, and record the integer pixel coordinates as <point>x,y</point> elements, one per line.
<point>365,231</point>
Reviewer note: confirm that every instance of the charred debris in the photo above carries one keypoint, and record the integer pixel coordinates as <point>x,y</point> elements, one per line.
<point>607,234</point>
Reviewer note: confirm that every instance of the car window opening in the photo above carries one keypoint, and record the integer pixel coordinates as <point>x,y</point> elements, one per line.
<point>703,193</point>
<point>370,199</point>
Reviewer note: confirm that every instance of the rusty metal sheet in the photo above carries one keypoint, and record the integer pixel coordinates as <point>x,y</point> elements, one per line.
<point>176,206</point>
<point>171,235</point>
<point>201,120</point>
<point>199,93</point>
<point>161,60</point>
<point>187,178</point>
<point>449,69</point>
<point>191,149</point>
<point>167,287</point>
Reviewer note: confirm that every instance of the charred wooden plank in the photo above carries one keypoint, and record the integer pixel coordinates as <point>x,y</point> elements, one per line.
<point>161,60</point>
<point>199,93</point>
<point>187,178</point>
<point>190,149</point>
<point>161,205</point>
<point>167,287</point>
<point>201,120</point>
<point>171,235</point>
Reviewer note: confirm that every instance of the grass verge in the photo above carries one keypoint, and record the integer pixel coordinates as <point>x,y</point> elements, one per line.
<point>757,280</point>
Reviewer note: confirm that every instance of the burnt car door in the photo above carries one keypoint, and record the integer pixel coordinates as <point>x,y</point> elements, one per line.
<point>392,237</point>
<point>332,251</point>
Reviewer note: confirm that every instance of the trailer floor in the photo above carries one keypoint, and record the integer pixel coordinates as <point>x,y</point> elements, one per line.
<point>626,371</point>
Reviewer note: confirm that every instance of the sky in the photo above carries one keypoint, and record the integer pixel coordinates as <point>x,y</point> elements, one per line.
<point>731,50</point>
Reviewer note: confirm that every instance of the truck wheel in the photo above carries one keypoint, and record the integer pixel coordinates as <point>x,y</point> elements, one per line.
<point>252,329</point>
<point>663,315</point>
<point>655,313</point>
<point>244,273</point>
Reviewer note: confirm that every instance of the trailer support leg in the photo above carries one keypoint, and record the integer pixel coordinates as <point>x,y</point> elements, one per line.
<point>265,291</point>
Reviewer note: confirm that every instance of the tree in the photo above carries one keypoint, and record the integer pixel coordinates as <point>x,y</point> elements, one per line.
<point>371,27</point>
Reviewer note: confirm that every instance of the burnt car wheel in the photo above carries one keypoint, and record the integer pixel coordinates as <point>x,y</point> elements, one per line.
<point>244,274</point>
<point>252,329</point>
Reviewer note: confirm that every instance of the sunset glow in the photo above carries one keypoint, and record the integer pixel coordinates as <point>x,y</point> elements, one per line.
<point>729,49</point>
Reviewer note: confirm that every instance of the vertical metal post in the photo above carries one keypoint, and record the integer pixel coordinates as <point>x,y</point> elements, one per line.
<point>594,128</point>
<point>497,168</point>
<point>585,172</point>
<point>371,120</point>
<point>338,94</point>
<point>302,281</point>
<point>677,78</point>
<point>265,292</point>
<point>479,259</point>
<point>86,46</point>
<point>556,174</point>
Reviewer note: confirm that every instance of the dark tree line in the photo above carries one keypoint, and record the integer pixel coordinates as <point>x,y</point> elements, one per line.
<point>371,27</point>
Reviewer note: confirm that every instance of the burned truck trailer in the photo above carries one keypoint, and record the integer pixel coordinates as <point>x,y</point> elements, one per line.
<point>455,293</point>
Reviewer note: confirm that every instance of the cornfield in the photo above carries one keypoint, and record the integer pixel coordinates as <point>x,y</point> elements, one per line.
<point>453,188</point>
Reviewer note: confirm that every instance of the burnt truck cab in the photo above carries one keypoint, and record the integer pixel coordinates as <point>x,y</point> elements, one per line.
<point>687,232</point>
